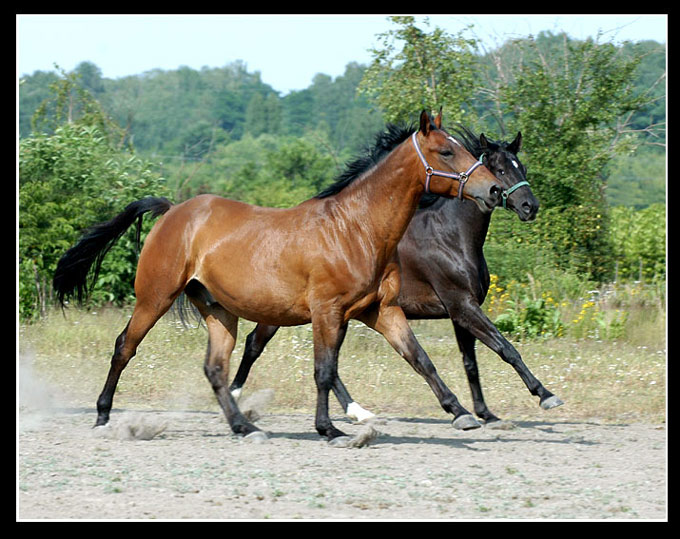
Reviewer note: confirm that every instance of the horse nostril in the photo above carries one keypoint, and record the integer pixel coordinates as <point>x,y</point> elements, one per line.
<point>530,210</point>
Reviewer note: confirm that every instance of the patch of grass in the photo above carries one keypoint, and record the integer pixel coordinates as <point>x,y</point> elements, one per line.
<point>617,381</point>
<point>69,355</point>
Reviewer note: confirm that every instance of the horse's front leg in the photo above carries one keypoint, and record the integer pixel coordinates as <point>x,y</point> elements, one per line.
<point>328,332</point>
<point>469,315</point>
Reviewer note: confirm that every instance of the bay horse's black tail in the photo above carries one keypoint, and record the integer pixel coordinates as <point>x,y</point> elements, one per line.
<point>70,277</point>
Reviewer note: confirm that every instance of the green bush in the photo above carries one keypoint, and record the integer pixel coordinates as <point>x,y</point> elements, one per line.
<point>69,181</point>
<point>558,304</point>
<point>639,242</point>
<point>571,239</point>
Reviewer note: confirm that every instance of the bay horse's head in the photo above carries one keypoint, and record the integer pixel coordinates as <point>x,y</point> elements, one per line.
<point>501,159</point>
<point>450,170</point>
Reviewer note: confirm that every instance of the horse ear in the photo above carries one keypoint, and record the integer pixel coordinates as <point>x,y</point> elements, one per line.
<point>516,144</point>
<point>483,141</point>
<point>438,119</point>
<point>425,123</point>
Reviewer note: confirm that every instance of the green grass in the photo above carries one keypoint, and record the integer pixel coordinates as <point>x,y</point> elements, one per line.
<point>67,358</point>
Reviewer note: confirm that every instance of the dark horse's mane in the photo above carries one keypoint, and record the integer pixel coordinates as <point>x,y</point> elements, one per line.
<point>472,144</point>
<point>385,142</point>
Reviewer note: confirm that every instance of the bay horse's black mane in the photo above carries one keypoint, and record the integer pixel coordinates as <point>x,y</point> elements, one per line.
<point>385,142</point>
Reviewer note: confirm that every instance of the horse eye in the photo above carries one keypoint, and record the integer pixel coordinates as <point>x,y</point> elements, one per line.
<point>446,153</point>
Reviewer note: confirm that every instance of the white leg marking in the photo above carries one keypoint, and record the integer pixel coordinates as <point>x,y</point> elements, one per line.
<point>357,413</point>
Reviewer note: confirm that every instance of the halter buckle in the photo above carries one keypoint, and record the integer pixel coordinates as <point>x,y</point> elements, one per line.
<point>463,178</point>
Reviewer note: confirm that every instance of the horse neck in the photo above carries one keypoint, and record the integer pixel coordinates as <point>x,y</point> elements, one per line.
<point>462,222</point>
<point>384,200</point>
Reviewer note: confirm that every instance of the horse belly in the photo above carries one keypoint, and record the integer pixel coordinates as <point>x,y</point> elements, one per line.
<point>255,286</point>
<point>418,300</point>
<point>268,306</point>
<point>261,299</point>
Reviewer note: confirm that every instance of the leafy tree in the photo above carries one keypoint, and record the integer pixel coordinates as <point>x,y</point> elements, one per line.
<point>649,81</point>
<point>198,140</point>
<point>568,106</point>
<point>69,181</point>
<point>571,101</point>
<point>68,102</point>
<point>90,78</point>
<point>296,111</point>
<point>428,71</point>
<point>283,175</point>
<point>33,91</point>
<point>263,115</point>
<point>637,179</point>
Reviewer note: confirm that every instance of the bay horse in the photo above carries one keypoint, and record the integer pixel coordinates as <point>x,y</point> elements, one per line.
<point>328,260</point>
<point>444,275</point>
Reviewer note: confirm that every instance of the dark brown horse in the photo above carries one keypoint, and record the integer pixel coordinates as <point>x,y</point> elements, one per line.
<point>326,261</point>
<point>444,275</point>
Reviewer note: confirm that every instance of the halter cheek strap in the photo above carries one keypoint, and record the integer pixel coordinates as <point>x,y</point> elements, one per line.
<point>462,177</point>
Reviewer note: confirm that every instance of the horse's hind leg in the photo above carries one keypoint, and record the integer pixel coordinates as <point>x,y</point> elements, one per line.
<point>142,320</point>
<point>391,323</point>
<point>256,341</point>
<point>352,409</point>
<point>222,330</point>
<point>466,344</point>
<point>255,345</point>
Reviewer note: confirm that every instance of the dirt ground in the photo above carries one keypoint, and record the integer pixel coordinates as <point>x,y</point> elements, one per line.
<point>192,467</point>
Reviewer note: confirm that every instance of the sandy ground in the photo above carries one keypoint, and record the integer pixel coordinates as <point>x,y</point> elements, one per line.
<point>192,467</point>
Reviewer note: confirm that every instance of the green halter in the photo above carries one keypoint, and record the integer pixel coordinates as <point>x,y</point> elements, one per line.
<point>506,193</point>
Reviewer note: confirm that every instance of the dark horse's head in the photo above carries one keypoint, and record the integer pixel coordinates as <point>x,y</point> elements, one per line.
<point>501,159</point>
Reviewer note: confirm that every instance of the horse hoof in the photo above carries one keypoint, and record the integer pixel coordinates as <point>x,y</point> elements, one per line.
<point>465,422</point>
<point>256,437</point>
<point>340,441</point>
<point>101,422</point>
<point>551,402</point>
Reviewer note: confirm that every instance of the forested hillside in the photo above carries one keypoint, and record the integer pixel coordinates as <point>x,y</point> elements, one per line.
<point>188,116</point>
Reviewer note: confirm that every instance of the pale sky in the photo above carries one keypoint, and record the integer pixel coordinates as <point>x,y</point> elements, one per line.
<point>287,50</point>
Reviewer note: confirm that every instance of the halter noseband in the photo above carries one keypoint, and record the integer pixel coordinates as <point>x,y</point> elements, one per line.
<point>462,177</point>
<point>507,192</point>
